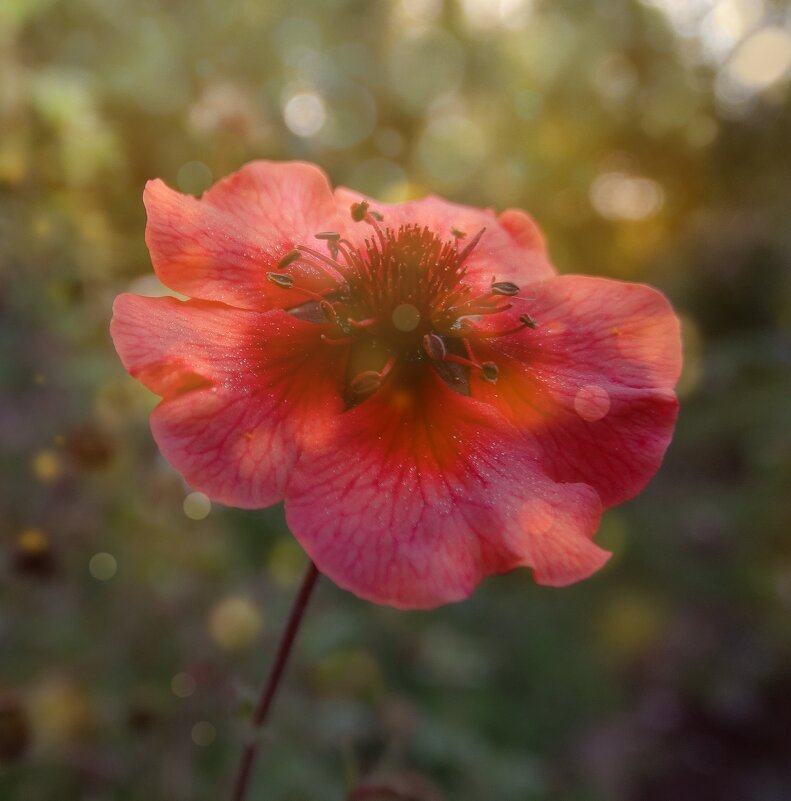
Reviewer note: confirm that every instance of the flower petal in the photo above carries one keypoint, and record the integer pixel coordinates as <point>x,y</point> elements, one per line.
<point>243,392</point>
<point>220,247</point>
<point>418,493</point>
<point>511,248</point>
<point>591,385</point>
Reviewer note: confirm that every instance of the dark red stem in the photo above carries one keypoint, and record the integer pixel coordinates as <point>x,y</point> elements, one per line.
<point>273,681</point>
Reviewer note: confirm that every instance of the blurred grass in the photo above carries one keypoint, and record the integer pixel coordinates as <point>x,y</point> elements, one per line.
<point>647,150</point>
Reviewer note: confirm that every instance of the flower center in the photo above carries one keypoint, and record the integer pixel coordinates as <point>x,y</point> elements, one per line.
<point>399,301</point>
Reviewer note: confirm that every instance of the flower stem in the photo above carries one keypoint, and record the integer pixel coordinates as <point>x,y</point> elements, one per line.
<point>269,689</point>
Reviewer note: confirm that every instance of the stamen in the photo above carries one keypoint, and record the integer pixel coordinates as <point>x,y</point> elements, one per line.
<point>504,288</point>
<point>283,281</point>
<point>528,320</point>
<point>337,341</point>
<point>490,371</point>
<point>470,247</point>
<point>289,258</point>
<point>325,260</point>
<point>359,210</point>
<point>469,351</point>
<point>434,346</point>
<point>373,219</point>
<point>370,380</point>
<point>403,288</point>
<point>329,311</point>
<point>366,323</point>
<point>452,357</point>
<point>366,383</point>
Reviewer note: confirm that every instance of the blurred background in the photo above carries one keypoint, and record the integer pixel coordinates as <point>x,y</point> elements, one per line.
<point>652,141</point>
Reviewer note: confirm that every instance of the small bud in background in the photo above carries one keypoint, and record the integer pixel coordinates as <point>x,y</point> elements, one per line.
<point>14,726</point>
<point>89,447</point>
<point>33,554</point>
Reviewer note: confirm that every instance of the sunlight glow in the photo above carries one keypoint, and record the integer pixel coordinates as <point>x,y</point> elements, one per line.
<point>483,14</point>
<point>618,196</point>
<point>762,59</point>
<point>305,114</point>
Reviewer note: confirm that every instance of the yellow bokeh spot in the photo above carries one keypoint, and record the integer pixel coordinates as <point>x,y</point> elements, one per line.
<point>762,59</point>
<point>398,192</point>
<point>46,466</point>
<point>613,533</point>
<point>692,371</point>
<point>103,566</point>
<point>286,562</point>
<point>197,506</point>
<point>350,672</point>
<point>203,733</point>
<point>32,541</point>
<point>630,624</point>
<point>61,713</point>
<point>183,685</point>
<point>305,114</point>
<point>235,623</point>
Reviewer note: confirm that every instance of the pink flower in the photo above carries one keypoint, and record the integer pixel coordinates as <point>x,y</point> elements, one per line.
<point>433,403</point>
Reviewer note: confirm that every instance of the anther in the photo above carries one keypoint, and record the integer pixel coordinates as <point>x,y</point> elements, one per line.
<point>368,322</point>
<point>329,236</point>
<point>337,340</point>
<point>434,346</point>
<point>470,247</point>
<point>376,215</point>
<point>370,380</point>
<point>359,210</point>
<point>490,371</point>
<point>366,383</point>
<point>457,234</point>
<point>283,281</point>
<point>527,320</point>
<point>289,258</point>
<point>329,310</point>
<point>504,288</point>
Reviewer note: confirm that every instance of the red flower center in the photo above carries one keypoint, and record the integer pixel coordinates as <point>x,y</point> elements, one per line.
<point>400,302</point>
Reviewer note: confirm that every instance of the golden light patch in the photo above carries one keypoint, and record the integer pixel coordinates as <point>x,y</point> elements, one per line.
<point>46,466</point>
<point>235,623</point>
<point>32,541</point>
